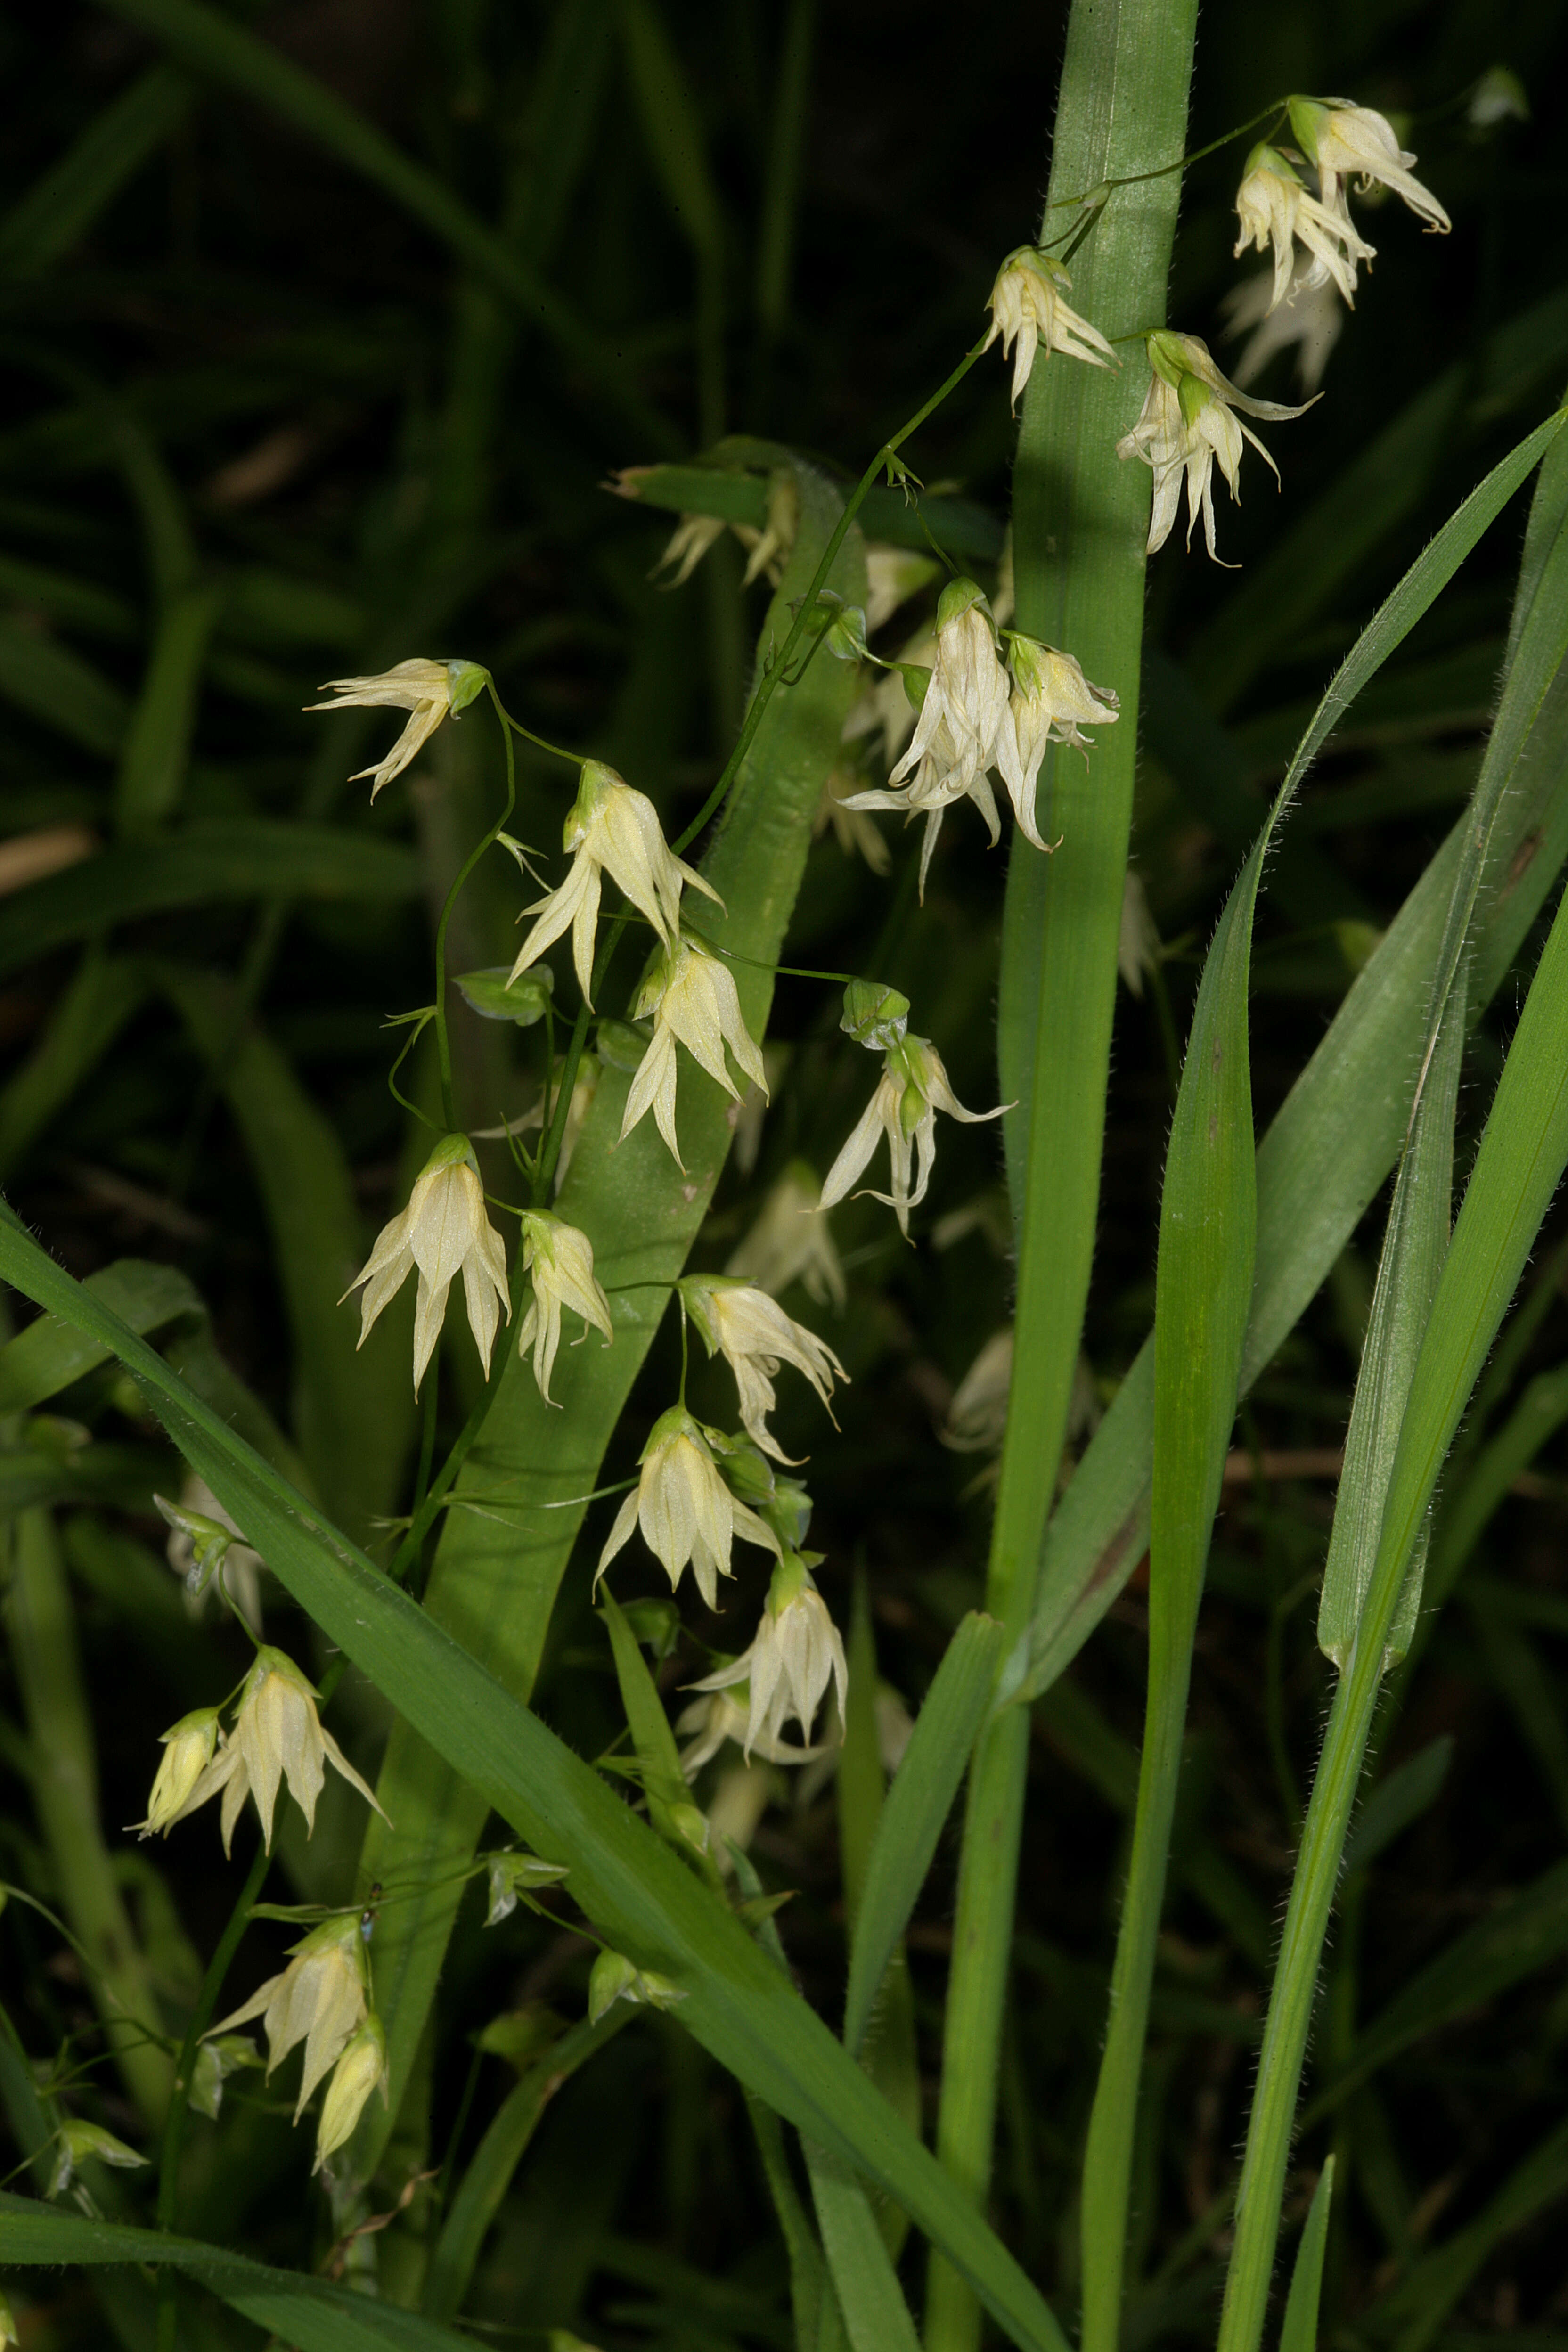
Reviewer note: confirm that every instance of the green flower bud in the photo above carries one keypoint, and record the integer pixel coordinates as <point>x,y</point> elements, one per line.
<point>495,995</point>
<point>875,1015</point>
<point>469,681</point>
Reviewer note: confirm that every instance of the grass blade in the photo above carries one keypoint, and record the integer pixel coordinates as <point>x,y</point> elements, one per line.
<point>871,2300</point>
<point>62,206</point>
<point>1300,2331</point>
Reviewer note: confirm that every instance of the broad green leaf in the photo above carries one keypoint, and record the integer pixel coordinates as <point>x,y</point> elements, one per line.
<point>353,1407</point>
<point>487,2173</point>
<point>301,2311</point>
<point>50,1355</point>
<point>83,1023</point>
<point>640,1898</point>
<point>121,1478</point>
<point>62,206</point>
<point>220,50</point>
<point>1517,1169</point>
<point>519,1504</point>
<point>871,2300</point>
<point>1341,1126</point>
<point>916,1804</point>
<point>157,747</point>
<point>234,858</point>
<point>1298,2332</point>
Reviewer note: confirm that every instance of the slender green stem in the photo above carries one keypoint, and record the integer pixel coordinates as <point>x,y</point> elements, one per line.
<point>1102,188</point>
<point>1080,524</point>
<point>443,1043</point>
<point>424,1515</point>
<point>180,2101</point>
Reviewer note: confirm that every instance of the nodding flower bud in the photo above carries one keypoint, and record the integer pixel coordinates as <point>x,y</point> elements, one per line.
<point>614,1977</point>
<point>874,1014</point>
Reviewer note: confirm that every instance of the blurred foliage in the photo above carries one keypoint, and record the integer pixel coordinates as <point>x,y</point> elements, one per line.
<point>273,414</point>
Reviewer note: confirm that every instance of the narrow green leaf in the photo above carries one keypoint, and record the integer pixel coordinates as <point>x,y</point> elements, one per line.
<point>63,205</point>
<point>1299,2330</point>
<point>223,51</point>
<point>916,1807</point>
<point>100,998</point>
<point>59,688</point>
<point>232,858</point>
<point>672,126</point>
<point>871,2300</point>
<point>157,745</point>
<point>1418,2307</point>
<point>642,1899</point>
<point>1469,1507</point>
<point>50,1354</point>
<point>668,1799</point>
<point>301,2311</point>
<point>487,2173</point>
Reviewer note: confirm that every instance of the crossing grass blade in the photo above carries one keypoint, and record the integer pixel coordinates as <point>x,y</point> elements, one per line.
<point>105,994</point>
<point>1298,2332</point>
<point>871,2300</point>
<point>298,2310</point>
<point>639,1895</point>
<point>62,206</point>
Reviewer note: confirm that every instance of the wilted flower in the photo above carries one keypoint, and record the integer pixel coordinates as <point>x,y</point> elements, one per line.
<point>911,1091</point>
<point>511,1875</point>
<point>1273,206</point>
<point>684,1508</point>
<point>1026,306</point>
<point>1186,423</point>
<point>444,1231</point>
<point>76,2140</point>
<point>276,1733</point>
<point>561,1260</point>
<point>1348,141</point>
<point>796,1652</point>
<point>689,541</point>
<point>709,1721</point>
<point>894,574</point>
<point>754,1336</point>
<point>7,2323</point>
<point>693,1000</point>
<point>187,1752</point>
<point>429,690</point>
<point>1050,699</point>
<point>609,829</point>
<point>1311,318</point>
<point>614,1977</point>
<point>319,2000</point>
<point>977,1417</point>
<point>360,2070</point>
<point>769,549</point>
<point>789,1244</point>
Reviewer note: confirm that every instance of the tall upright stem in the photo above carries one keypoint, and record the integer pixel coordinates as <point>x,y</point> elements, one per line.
<point>1080,521</point>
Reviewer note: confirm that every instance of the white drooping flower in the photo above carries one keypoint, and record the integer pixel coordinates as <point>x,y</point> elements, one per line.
<point>796,1652</point>
<point>960,719</point>
<point>609,829</point>
<point>444,1232</point>
<point>694,1002</point>
<point>361,2069</point>
<point>206,1548</point>
<point>1027,307</point>
<point>1274,208</point>
<point>1346,141</point>
<point>1311,318</point>
<point>561,1260</point>
<point>683,1508</point>
<point>1050,699</point>
<point>277,1735</point>
<point>911,1091</point>
<point>1187,422</point>
<point>977,1418</point>
<point>428,691</point>
<point>688,542</point>
<point>319,2000</point>
<point>754,1336</point>
<point>706,1725</point>
<point>187,1751</point>
<point>789,1244</point>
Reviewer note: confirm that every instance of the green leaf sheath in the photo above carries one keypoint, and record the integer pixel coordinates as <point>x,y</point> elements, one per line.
<point>1080,521</point>
<point>519,1508</point>
<point>1341,1127</point>
<point>1517,1171</point>
<point>640,1896</point>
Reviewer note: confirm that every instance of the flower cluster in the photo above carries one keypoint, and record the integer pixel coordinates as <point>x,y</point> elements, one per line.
<point>321,1999</point>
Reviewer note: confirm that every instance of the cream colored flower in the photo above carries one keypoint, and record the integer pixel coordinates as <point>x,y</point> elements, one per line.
<point>1274,208</point>
<point>360,2070</point>
<point>693,1000</point>
<point>1187,422</point>
<point>689,541</point>
<point>754,1336</point>
<point>319,2000</point>
<point>977,1417</point>
<point>609,829</point>
<point>1050,699</point>
<point>7,2323</point>
<point>1348,141</point>
<point>911,1091</point>
<point>769,549</point>
<point>1026,306</point>
<point>1311,318</point>
<point>205,1547</point>
<point>790,1243</point>
<point>277,1735</point>
<point>894,574</point>
<point>428,691</point>
<point>711,1720</point>
<point>561,1260</point>
<point>187,1751</point>
<point>796,1652</point>
<point>444,1231</point>
<point>684,1508</point>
